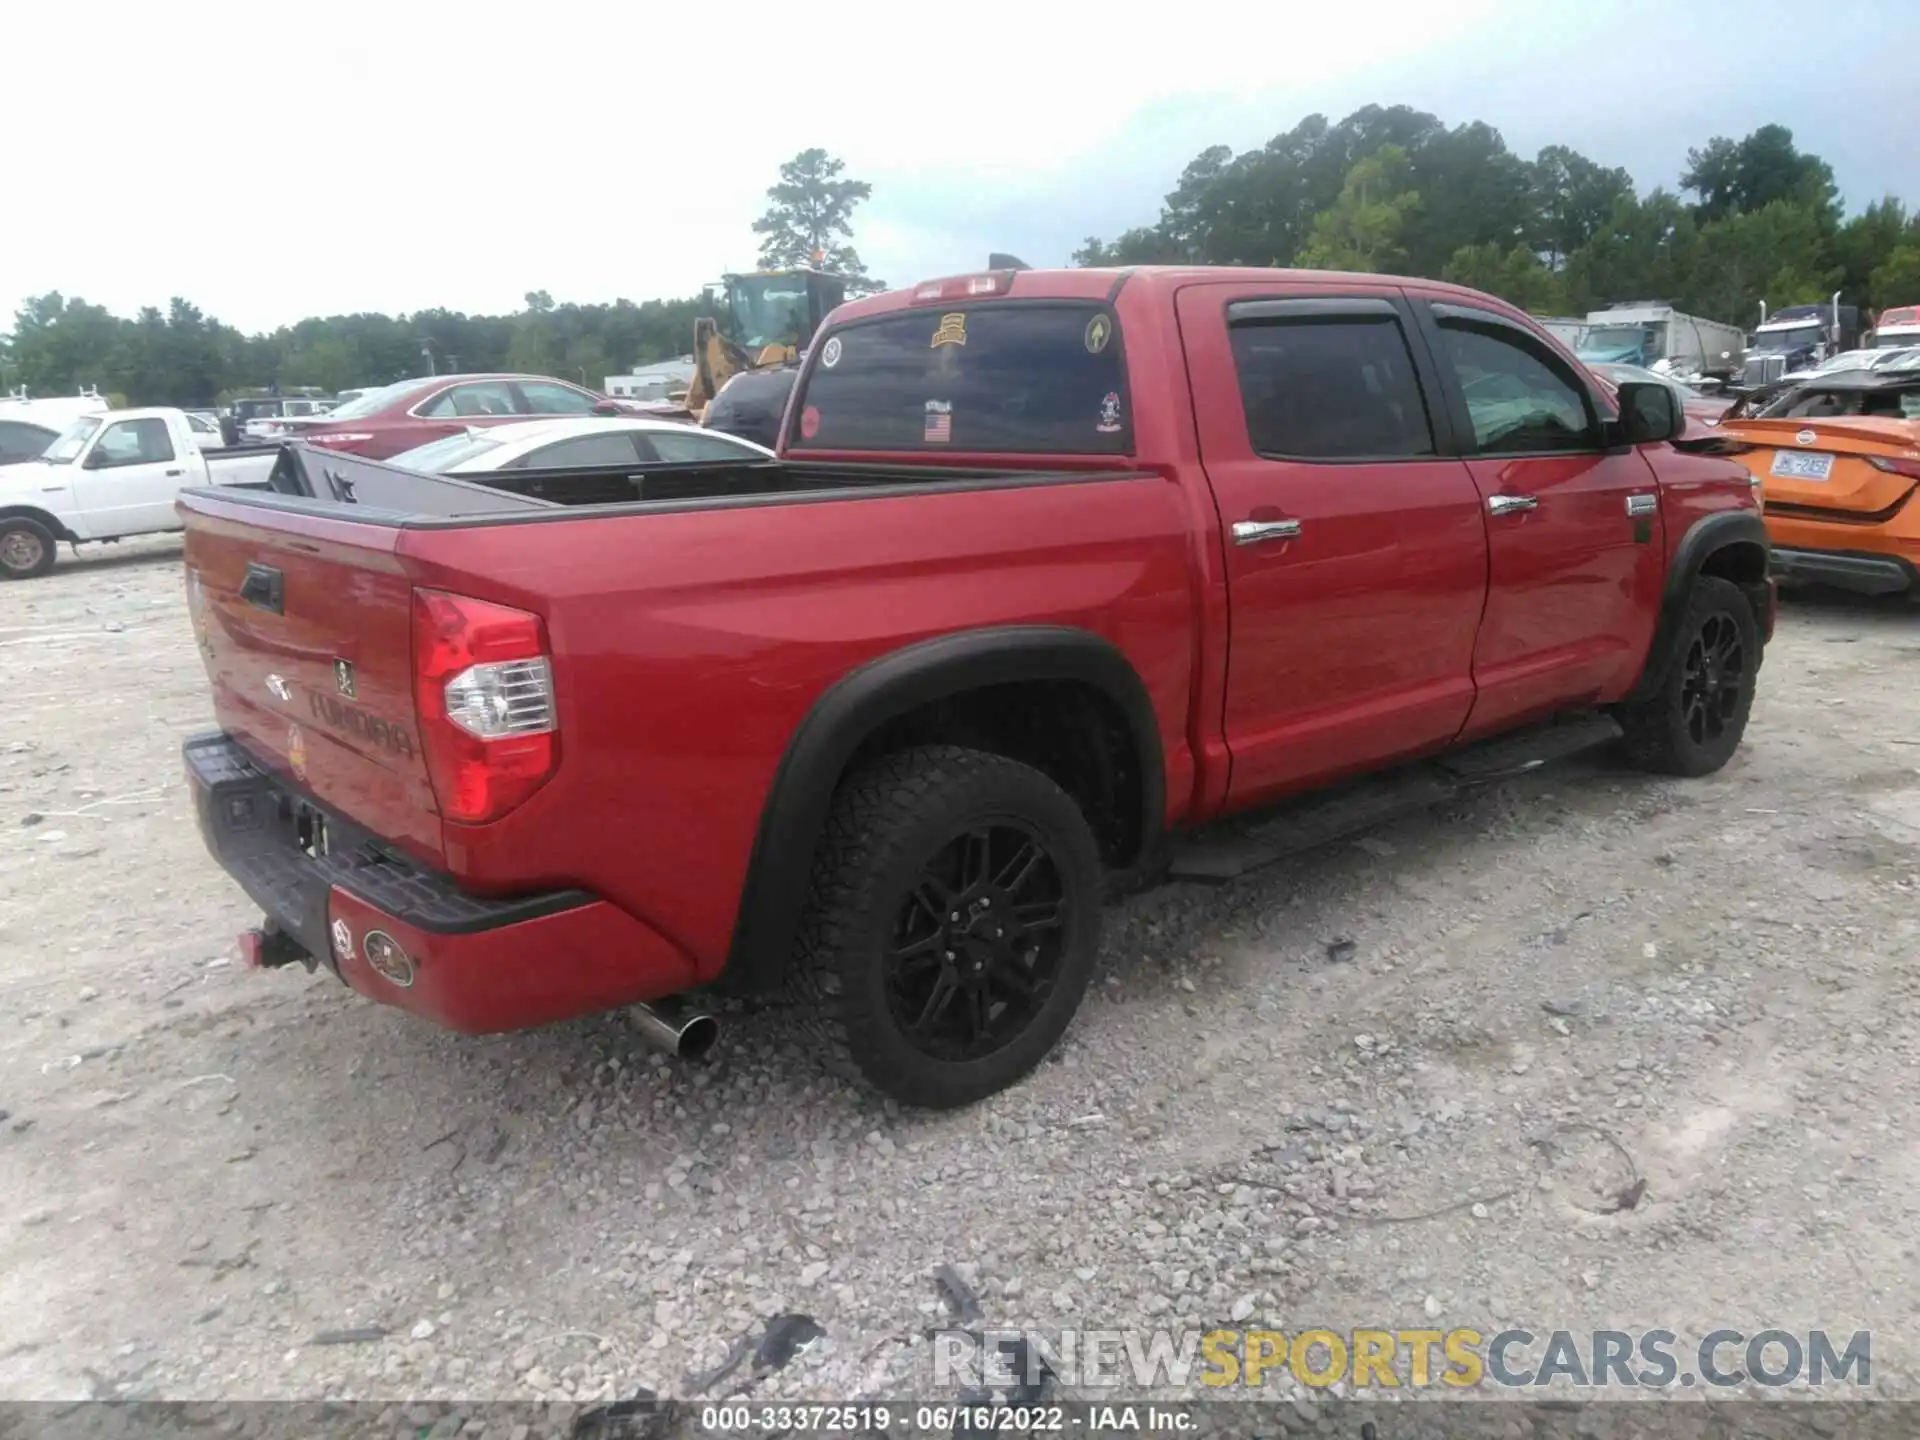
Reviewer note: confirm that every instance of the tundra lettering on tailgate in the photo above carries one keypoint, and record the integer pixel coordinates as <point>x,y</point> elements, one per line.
<point>352,720</point>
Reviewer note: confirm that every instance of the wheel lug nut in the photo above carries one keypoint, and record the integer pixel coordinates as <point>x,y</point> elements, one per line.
<point>954,916</point>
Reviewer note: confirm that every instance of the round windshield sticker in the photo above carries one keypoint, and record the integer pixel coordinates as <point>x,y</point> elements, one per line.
<point>1099,331</point>
<point>830,353</point>
<point>810,420</point>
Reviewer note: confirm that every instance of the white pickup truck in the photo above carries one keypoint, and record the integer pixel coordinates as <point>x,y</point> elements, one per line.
<point>108,477</point>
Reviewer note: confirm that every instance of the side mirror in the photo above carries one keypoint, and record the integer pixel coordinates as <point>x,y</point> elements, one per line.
<point>606,407</point>
<point>97,459</point>
<point>1649,413</point>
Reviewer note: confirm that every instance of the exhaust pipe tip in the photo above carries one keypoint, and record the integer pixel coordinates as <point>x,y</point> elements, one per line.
<point>669,1026</point>
<point>697,1037</point>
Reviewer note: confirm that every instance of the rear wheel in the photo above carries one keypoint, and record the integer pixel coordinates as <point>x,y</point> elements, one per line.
<point>952,925</point>
<point>27,548</point>
<point>1694,722</point>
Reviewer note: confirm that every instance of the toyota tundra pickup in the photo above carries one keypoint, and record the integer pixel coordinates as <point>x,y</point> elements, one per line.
<point>1053,570</point>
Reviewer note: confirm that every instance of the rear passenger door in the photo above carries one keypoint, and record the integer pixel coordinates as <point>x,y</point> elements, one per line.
<point>1355,554</point>
<point>1573,529</point>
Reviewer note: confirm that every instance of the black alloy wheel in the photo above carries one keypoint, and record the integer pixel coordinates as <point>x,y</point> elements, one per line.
<point>1694,721</point>
<point>1714,680</point>
<point>951,926</point>
<point>978,943</point>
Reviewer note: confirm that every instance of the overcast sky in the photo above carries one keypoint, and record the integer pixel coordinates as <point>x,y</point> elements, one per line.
<point>270,162</point>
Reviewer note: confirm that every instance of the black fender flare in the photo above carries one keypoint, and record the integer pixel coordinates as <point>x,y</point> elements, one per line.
<point>1707,535</point>
<point>779,870</point>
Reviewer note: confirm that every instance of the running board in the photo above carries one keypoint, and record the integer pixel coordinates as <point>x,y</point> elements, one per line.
<point>1228,851</point>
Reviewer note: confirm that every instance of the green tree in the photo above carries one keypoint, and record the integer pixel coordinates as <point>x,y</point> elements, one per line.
<point>1777,253</point>
<point>1516,276</point>
<point>1569,201</point>
<point>1362,230</point>
<point>1645,251</point>
<point>1472,189</point>
<point>810,222</point>
<point>1866,242</point>
<point>1896,280</point>
<point>1734,177</point>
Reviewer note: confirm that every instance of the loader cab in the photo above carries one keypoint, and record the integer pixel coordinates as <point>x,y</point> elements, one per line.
<point>776,307</point>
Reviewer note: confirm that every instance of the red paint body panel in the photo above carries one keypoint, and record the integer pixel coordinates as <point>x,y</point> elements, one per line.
<point>1351,645</point>
<point>1572,597</point>
<point>575,962</point>
<point>689,642</point>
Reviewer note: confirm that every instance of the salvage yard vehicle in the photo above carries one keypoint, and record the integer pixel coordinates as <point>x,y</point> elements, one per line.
<point>1648,333</point>
<point>584,442</point>
<point>1838,460</point>
<point>407,413</point>
<point>28,427</point>
<point>1055,567</point>
<point>109,477</point>
<point>1798,337</point>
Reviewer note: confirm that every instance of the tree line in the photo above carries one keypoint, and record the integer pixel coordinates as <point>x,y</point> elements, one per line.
<point>1394,189</point>
<point>181,356</point>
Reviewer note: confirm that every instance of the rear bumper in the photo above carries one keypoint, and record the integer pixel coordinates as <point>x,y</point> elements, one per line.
<point>1863,573</point>
<point>468,962</point>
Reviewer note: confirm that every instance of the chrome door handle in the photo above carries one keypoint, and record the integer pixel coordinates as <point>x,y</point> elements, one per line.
<point>1252,532</point>
<point>1510,504</point>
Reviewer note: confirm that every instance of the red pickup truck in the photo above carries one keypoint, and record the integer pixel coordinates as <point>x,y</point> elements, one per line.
<point>1054,568</point>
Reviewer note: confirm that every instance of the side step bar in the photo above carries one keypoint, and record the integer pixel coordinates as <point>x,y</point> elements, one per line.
<point>1226,852</point>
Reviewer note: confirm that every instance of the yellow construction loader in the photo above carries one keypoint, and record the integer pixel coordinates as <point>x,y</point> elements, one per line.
<point>760,321</point>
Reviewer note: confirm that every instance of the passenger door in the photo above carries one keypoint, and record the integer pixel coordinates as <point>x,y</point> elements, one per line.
<point>1574,529</point>
<point>130,479</point>
<point>1355,555</point>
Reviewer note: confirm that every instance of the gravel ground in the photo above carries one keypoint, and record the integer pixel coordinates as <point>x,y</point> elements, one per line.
<point>1405,1083</point>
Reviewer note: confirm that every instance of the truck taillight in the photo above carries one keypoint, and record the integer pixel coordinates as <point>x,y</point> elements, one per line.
<point>483,688</point>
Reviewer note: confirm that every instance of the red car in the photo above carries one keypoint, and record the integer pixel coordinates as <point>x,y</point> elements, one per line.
<point>1054,568</point>
<point>400,416</point>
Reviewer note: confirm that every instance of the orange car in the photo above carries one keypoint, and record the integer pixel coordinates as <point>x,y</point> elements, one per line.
<point>1838,462</point>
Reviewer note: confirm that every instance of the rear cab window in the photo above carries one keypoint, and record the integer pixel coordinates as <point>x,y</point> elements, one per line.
<point>1017,377</point>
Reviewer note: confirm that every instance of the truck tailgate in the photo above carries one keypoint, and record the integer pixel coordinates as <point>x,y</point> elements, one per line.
<point>305,627</point>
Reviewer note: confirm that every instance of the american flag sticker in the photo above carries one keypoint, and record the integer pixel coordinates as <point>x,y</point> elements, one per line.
<point>939,422</point>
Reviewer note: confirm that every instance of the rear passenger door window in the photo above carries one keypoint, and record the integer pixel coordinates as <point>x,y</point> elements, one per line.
<point>1329,380</point>
<point>1519,397</point>
<point>674,447</point>
<point>479,398</point>
<point>543,397</point>
<point>582,452</point>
